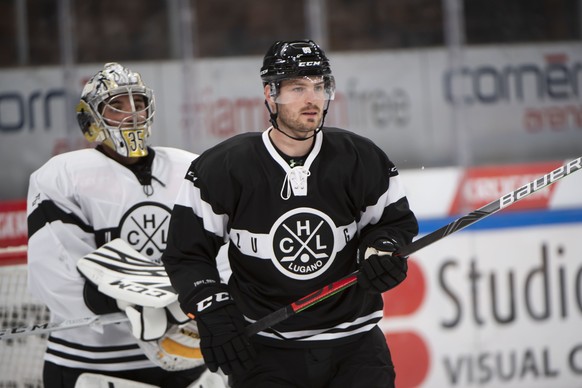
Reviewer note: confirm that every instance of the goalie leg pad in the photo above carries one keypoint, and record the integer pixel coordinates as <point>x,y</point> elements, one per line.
<point>210,380</point>
<point>172,347</point>
<point>94,380</point>
<point>178,350</point>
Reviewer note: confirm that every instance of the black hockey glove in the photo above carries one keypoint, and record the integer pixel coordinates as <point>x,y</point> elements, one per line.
<point>221,327</point>
<point>381,269</point>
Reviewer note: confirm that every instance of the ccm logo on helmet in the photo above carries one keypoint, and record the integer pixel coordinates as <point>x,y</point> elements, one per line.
<point>309,63</point>
<point>207,302</point>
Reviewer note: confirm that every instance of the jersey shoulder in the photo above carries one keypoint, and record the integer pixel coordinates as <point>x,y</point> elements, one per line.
<point>175,154</point>
<point>225,166</point>
<point>232,153</point>
<point>61,174</point>
<point>73,160</point>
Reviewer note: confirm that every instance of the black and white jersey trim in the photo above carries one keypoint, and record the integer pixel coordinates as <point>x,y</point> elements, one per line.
<point>47,212</point>
<point>76,355</point>
<point>343,330</point>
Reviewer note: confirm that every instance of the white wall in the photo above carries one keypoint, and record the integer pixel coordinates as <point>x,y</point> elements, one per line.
<point>500,303</point>
<point>520,104</point>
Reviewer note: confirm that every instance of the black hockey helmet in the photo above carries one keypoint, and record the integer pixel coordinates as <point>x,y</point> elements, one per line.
<point>288,59</point>
<point>293,59</point>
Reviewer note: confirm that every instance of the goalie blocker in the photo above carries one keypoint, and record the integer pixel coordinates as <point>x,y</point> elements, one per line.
<point>120,278</point>
<point>142,289</point>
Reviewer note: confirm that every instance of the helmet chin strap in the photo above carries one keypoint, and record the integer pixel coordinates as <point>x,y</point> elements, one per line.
<point>273,119</point>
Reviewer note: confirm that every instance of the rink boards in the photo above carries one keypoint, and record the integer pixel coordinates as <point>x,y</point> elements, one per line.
<point>498,304</point>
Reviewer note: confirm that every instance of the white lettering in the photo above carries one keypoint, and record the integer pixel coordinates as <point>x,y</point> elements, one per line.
<point>309,63</point>
<point>282,245</point>
<point>304,227</point>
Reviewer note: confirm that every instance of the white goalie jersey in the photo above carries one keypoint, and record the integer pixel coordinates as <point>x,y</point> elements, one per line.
<point>77,202</point>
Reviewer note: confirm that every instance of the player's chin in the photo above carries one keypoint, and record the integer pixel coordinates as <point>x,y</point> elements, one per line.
<point>312,123</point>
<point>308,130</point>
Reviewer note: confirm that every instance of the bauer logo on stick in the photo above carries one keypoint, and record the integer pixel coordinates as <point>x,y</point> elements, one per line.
<point>540,183</point>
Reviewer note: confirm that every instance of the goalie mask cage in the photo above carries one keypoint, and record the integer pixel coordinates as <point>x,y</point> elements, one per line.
<point>21,359</point>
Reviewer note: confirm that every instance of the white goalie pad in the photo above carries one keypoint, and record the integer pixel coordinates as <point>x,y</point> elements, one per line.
<point>210,379</point>
<point>122,273</point>
<point>94,380</point>
<point>178,349</point>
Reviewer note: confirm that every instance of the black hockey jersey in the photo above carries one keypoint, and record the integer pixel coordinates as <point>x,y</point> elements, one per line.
<point>78,201</point>
<point>291,230</point>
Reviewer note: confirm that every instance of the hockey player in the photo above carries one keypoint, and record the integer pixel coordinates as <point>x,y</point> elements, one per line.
<point>79,201</point>
<point>302,205</point>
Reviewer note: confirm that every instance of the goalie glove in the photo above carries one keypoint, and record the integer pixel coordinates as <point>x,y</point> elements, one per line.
<point>178,349</point>
<point>147,323</point>
<point>120,277</point>
<point>221,325</point>
<point>381,269</point>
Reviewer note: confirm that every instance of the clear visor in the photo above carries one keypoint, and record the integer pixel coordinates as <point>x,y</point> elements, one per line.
<point>307,88</point>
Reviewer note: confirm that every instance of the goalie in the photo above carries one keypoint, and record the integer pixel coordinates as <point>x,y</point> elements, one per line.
<point>81,200</point>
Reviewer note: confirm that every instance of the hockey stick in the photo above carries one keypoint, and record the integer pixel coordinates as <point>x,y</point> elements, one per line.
<point>455,226</point>
<point>341,284</point>
<point>42,328</point>
<point>123,273</point>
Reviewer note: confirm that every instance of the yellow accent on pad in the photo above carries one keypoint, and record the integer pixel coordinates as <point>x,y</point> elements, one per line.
<point>176,348</point>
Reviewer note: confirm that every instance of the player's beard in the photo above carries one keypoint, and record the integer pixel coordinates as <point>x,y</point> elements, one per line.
<point>296,124</point>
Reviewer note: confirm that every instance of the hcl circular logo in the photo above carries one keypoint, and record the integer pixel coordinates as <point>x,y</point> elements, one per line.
<point>303,243</point>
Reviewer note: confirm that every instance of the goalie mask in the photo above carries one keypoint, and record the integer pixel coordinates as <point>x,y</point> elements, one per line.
<point>117,109</point>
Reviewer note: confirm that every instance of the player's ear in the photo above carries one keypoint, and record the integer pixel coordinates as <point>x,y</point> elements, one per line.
<point>268,96</point>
